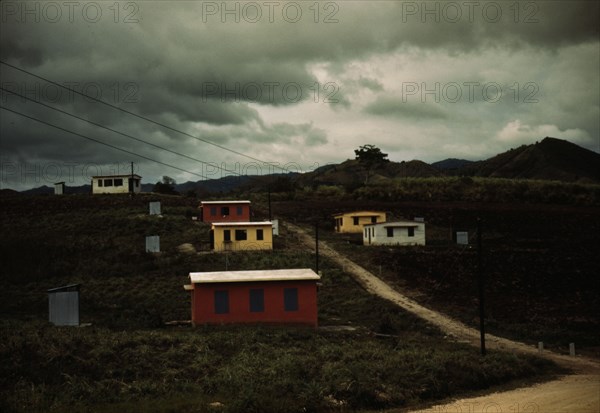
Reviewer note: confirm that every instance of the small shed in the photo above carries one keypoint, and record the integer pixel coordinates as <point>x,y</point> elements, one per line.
<point>59,188</point>
<point>154,208</point>
<point>462,237</point>
<point>153,243</point>
<point>116,184</point>
<point>267,296</point>
<point>241,236</point>
<point>225,211</point>
<point>353,222</point>
<point>63,305</point>
<point>394,233</point>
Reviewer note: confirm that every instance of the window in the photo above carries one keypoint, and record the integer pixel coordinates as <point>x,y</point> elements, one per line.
<point>213,211</point>
<point>259,235</point>
<point>411,231</point>
<point>226,235</point>
<point>108,182</point>
<point>225,211</point>
<point>137,182</point>
<point>373,220</point>
<point>221,302</point>
<point>355,220</point>
<point>241,235</point>
<point>257,300</point>
<point>239,210</point>
<point>290,299</point>
<point>100,183</point>
<point>390,232</point>
<point>118,182</point>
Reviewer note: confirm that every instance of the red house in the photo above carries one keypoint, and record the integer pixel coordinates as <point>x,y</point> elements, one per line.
<point>225,211</point>
<point>267,296</point>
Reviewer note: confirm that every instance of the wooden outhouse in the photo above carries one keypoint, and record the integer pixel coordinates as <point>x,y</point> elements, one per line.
<point>265,296</point>
<point>225,211</point>
<point>394,233</point>
<point>354,221</point>
<point>241,236</point>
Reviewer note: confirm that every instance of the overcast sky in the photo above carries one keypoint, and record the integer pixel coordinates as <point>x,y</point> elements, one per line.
<point>298,84</point>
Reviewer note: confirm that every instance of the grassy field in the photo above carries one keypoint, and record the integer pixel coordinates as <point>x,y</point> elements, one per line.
<point>370,355</point>
<point>540,263</point>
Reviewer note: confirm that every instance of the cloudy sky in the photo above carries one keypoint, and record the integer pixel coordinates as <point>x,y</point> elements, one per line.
<point>295,84</point>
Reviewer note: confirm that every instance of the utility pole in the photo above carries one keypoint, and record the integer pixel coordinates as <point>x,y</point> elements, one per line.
<point>317,245</point>
<point>481,285</point>
<point>131,183</point>
<point>269,201</point>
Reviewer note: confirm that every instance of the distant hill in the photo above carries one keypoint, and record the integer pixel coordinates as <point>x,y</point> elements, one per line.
<point>450,164</point>
<point>351,172</point>
<point>550,159</point>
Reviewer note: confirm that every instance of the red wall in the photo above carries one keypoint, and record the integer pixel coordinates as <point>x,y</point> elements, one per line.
<point>232,217</point>
<point>203,309</point>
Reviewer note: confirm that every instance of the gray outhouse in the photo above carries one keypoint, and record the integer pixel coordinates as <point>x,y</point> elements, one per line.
<point>153,243</point>
<point>59,188</point>
<point>63,305</point>
<point>155,208</point>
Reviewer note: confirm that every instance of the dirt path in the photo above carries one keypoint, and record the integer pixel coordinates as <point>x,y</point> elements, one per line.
<point>576,393</point>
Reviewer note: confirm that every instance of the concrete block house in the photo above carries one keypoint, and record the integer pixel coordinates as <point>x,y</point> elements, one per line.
<point>116,184</point>
<point>394,233</point>
<point>265,296</point>
<point>353,222</point>
<point>225,211</point>
<point>241,236</point>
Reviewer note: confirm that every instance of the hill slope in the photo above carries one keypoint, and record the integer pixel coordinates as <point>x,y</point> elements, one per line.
<point>550,159</point>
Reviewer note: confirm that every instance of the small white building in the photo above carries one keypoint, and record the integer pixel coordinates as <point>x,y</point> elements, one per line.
<point>116,184</point>
<point>394,233</point>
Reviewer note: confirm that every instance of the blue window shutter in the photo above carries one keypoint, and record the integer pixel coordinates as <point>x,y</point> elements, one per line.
<point>257,300</point>
<point>290,299</point>
<point>221,302</point>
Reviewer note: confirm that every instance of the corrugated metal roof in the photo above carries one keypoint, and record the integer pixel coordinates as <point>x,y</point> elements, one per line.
<point>258,275</point>
<point>223,202</point>
<point>241,224</point>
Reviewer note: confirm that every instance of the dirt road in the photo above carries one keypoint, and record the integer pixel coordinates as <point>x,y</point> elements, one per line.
<point>576,393</point>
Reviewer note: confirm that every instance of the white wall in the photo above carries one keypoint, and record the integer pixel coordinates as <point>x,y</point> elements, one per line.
<point>378,235</point>
<point>122,189</point>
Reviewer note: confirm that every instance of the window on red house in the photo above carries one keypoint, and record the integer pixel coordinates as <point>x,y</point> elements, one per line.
<point>221,302</point>
<point>239,210</point>
<point>225,211</point>
<point>290,299</point>
<point>213,211</point>
<point>257,300</point>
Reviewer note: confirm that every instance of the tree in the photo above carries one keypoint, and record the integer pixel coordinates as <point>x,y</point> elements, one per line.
<point>370,157</point>
<point>167,186</point>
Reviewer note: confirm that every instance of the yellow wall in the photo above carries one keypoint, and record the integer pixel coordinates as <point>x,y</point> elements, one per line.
<point>251,243</point>
<point>348,225</point>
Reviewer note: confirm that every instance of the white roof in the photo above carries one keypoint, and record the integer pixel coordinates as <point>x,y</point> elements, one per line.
<point>396,224</point>
<point>241,224</point>
<point>259,275</point>
<point>361,213</point>
<point>116,176</point>
<point>223,202</point>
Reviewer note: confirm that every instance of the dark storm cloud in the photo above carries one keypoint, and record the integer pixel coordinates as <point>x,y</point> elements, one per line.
<point>240,83</point>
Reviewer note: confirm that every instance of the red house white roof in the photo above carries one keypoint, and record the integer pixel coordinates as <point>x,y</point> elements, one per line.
<point>258,275</point>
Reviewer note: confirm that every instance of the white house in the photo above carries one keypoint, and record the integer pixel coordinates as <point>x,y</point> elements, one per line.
<point>394,233</point>
<point>116,184</point>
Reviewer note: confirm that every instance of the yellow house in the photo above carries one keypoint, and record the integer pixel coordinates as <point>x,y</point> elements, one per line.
<point>354,221</point>
<point>241,236</point>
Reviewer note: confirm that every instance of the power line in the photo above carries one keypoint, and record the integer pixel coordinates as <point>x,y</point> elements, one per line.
<point>142,117</point>
<point>100,142</point>
<point>116,131</point>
